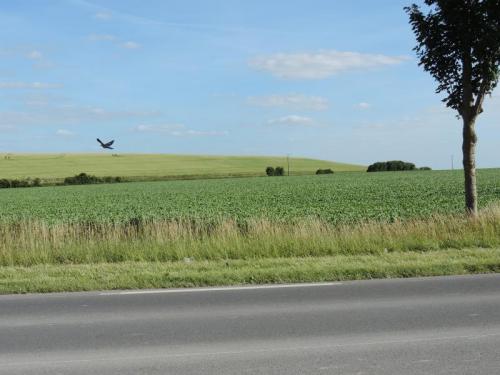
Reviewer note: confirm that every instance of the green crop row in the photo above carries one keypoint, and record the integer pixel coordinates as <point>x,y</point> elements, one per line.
<point>340,198</point>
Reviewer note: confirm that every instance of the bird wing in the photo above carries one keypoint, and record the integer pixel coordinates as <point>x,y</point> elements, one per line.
<point>98,140</point>
<point>109,143</point>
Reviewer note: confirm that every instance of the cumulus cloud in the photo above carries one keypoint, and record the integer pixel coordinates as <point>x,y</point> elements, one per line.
<point>29,85</point>
<point>163,128</point>
<point>178,130</point>
<point>322,64</point>
<point>64,133</point>
<point>292,101</point>
<point>292,120</point>
<point>130,45</point>
<point>34,55</point>
<point>363,105</point>
<point>7,128</point>
<point>69,115</point>
<point>103,16</point>
<point>202,133</point>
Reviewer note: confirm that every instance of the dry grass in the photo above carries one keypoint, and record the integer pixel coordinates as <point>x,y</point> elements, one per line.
<point>31,243</point>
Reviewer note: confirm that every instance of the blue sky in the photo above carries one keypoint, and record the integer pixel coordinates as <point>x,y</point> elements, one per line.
<point>335,80</point>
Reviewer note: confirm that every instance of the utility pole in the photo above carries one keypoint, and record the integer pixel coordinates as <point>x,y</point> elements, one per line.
<point>452,162</point>
<point>288,163</point>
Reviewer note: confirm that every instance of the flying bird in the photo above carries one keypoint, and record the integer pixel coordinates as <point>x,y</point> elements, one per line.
<point>106,145</point>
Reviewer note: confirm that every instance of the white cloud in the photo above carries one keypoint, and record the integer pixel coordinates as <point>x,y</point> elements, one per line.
<point>130,45</point>
<point>34,55</point>
<point>292,120</point>
<point>29,85</point>
<point>202,133</point>
<point>8,128</point>
<point>426,119</point>
<point>103,16</point>
<point>363,106</point>
<point>69,114</point>
<point>178,130</point>
<point>322,64</point>
<point>64,133</point>
<point>164,128</point>
<point>292,101</point>
<point>101,37</point>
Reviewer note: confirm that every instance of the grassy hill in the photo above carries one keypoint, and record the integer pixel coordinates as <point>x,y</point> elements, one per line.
<point>153,166</point>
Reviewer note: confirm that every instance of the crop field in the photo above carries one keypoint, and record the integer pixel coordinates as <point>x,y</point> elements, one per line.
<point>153,166</point>
<point>341,198</point>
<point>348,225</point>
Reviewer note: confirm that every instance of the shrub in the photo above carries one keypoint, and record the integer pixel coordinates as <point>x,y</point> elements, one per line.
<point>110,179</point>
<point>82,179</point>
<point>425,168</point>
<point>19,183</point>
<point>4,183</point>
<point>85,179</point>
<point>279,171</point>
<point>324,171</point>
<point>270,171</point>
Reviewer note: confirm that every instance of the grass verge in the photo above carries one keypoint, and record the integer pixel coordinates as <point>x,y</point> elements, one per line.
<point>33,243</point>
<point>41,257</point>
<point>132,275</point>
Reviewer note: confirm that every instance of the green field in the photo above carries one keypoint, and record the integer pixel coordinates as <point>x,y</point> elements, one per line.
<point>340,198</point>
<point>153,166</point>
<point>247,230</point>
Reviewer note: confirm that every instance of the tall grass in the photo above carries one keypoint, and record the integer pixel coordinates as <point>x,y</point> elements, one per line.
<point>29,243</point>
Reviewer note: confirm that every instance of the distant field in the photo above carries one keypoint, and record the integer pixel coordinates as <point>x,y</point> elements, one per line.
<point>151,166</point>
<point>340,198</point>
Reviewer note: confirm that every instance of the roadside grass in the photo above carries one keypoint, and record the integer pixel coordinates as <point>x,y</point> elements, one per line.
<point>38,257</point>
<point>140,275</point>
<point>29,243</point>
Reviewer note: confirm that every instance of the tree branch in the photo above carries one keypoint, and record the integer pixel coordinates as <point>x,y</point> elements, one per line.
<point>478,105</point>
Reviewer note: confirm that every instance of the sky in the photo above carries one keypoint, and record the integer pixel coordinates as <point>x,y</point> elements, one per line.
<point>328,79</point>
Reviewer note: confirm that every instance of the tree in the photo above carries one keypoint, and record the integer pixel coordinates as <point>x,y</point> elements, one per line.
<point>458,43</point>
<point>270,171</point>
<point>279,171</point>
<point>393,165</point>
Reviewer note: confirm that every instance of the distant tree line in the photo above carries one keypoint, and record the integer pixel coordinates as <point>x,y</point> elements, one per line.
<point>80,179</point>
<point>394,165</point>
<point>87,179</point>
<point>14,183</point>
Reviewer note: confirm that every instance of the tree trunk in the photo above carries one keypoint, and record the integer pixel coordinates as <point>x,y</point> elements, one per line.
<point>469,161</point>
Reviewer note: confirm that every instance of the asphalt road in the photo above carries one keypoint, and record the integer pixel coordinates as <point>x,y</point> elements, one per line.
<point>448,325</point>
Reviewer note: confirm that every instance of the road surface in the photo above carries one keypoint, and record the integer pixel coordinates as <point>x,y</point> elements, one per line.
<point>445,325</point>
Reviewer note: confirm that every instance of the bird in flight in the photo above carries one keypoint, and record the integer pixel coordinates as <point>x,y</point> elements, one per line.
<point>106,145</point>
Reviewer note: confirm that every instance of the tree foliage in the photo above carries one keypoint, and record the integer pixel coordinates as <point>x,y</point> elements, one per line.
<point>270,171</point>
<point>393,165</point>
<point>278,171</point>
<point>458,43</point>
<point>86,179</point>
<point>324,171</point>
